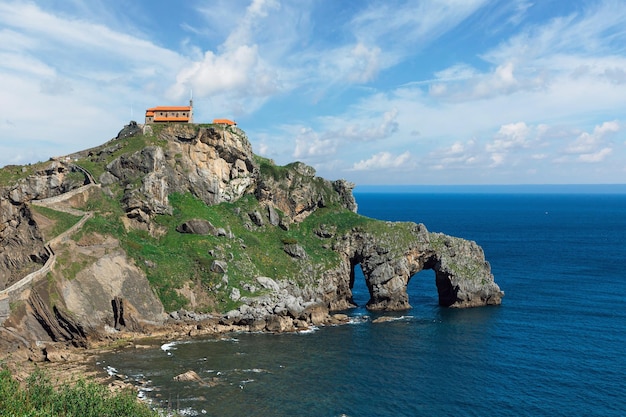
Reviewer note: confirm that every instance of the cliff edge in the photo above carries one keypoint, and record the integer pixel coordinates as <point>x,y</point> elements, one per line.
<point>183,223</point>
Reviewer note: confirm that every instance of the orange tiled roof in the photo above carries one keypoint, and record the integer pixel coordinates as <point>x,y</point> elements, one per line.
<point>169,108</point>
<point>223,122</point>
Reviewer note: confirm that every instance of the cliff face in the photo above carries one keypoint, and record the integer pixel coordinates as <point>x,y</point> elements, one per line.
<point>187,216</point>
<point>212,165</point>
<point>297,192</point>
<point>21,243</point>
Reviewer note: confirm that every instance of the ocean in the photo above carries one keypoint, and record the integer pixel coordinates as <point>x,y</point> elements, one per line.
<point>556,345</point>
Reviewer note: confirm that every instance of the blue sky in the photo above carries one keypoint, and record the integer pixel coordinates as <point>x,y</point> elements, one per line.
<point>393,92</point>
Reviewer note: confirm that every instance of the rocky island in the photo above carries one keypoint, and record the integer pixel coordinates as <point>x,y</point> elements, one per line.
<point>182,226</point>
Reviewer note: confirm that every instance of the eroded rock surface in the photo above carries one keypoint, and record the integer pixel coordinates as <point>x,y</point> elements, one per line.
<point>97,289</point>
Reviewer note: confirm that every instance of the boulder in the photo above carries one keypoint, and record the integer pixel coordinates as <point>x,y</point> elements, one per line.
<point>256,218</point>
<point>268,283</point>
<point>279,324</point>
<point>235,294</point>
<point>295,251</point>
<point>219,267</point>
<point>188,376</point>
<point>273,216</point>
<point>198,227</point>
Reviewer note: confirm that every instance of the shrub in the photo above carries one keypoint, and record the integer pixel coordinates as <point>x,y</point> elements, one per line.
<point>39,397</point>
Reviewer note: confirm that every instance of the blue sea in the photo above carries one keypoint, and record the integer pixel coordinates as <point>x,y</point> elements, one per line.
<point>555,347</point>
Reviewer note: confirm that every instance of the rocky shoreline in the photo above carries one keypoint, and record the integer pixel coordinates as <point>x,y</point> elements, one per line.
<point>105,247</point>
<point>65,363</point>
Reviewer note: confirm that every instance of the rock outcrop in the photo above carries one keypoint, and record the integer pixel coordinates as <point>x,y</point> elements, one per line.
<point>212,165</point>
<point>297,192</point>
<point>102,285</point>
<point>22,248</point>
<point>462,276</point>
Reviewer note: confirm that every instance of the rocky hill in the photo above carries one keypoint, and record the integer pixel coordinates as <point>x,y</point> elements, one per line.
<point>170,224</point>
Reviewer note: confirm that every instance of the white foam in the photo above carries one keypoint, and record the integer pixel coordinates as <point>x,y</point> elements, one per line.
<point>166,347</point>
<point>358,319</point>
<point>169,346</point>
<point>229,339</point>
<point>308,330</point>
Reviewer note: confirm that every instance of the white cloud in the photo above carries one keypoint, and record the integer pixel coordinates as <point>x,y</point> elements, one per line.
<point>589,143</point>
<point>456,72</point>
<point>369,132</point>
<point>363,63</point>
<point>510,136</point>
<point>383,160</point>
<point>310,145</point>
<point>539,57</point>
<point>419,23</point>
<point>244,30</point>
<point>62,76</point>
<point>497,159</point>
<point>231,72</point>
<point>595,157</point>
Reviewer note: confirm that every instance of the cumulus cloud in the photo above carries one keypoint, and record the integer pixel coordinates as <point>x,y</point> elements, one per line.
<point>588,143</point>
<point>461,82</point>
<point>232,71</point>
<point>510,136</point>
<point>591,146</point>
<point>459,154</point>
<point>309,145</point>
<point>237,69</point>
<point>383,160</point>
<point>595,157</point>
<point>370,132</point>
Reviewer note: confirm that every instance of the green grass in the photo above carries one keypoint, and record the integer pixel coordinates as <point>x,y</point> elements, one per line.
<point>270,169</point>
<point>174,260</point>
<point>63,221</point>
<point>73,264</point>
<point>177,258</point>
<point>10,174</point>
<point>96,164</point>
<point>38,397</point>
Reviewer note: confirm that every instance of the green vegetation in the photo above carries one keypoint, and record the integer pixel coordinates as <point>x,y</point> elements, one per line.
<point>72,263</point>
<point>62,221</point>
<point>96,164</point>
<point>174,261</point>
<point>10,174</point>
<point>38,397</point>
<point>270,169</point>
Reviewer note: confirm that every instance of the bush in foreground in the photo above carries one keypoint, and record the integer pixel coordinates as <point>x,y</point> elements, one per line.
<point>38,397</point>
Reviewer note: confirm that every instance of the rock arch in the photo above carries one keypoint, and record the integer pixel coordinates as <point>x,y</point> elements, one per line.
<point>462,275</point>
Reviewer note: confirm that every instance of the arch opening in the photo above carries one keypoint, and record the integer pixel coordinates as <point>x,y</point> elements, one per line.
<point>361,293</point>
<point>421,289</point>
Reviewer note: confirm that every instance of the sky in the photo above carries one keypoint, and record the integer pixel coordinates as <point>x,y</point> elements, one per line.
<point>374,92</point>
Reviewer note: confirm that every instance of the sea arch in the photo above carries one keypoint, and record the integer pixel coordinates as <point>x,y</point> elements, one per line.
<point>462,275</point>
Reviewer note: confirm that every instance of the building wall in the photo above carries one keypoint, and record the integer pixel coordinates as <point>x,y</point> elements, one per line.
<point>164,114</point>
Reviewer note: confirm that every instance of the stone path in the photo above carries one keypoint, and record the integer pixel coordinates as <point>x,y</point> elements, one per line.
<point>14,291</point>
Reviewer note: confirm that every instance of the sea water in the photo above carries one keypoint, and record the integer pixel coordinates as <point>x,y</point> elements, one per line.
<point>556,346</point>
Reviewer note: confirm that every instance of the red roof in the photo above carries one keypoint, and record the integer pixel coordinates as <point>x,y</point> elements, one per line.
<point>170,108</point>
<point>223,122</point>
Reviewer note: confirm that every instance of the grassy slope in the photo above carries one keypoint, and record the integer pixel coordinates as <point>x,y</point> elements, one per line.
<point>175,260</point>
<point>61,220</point>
